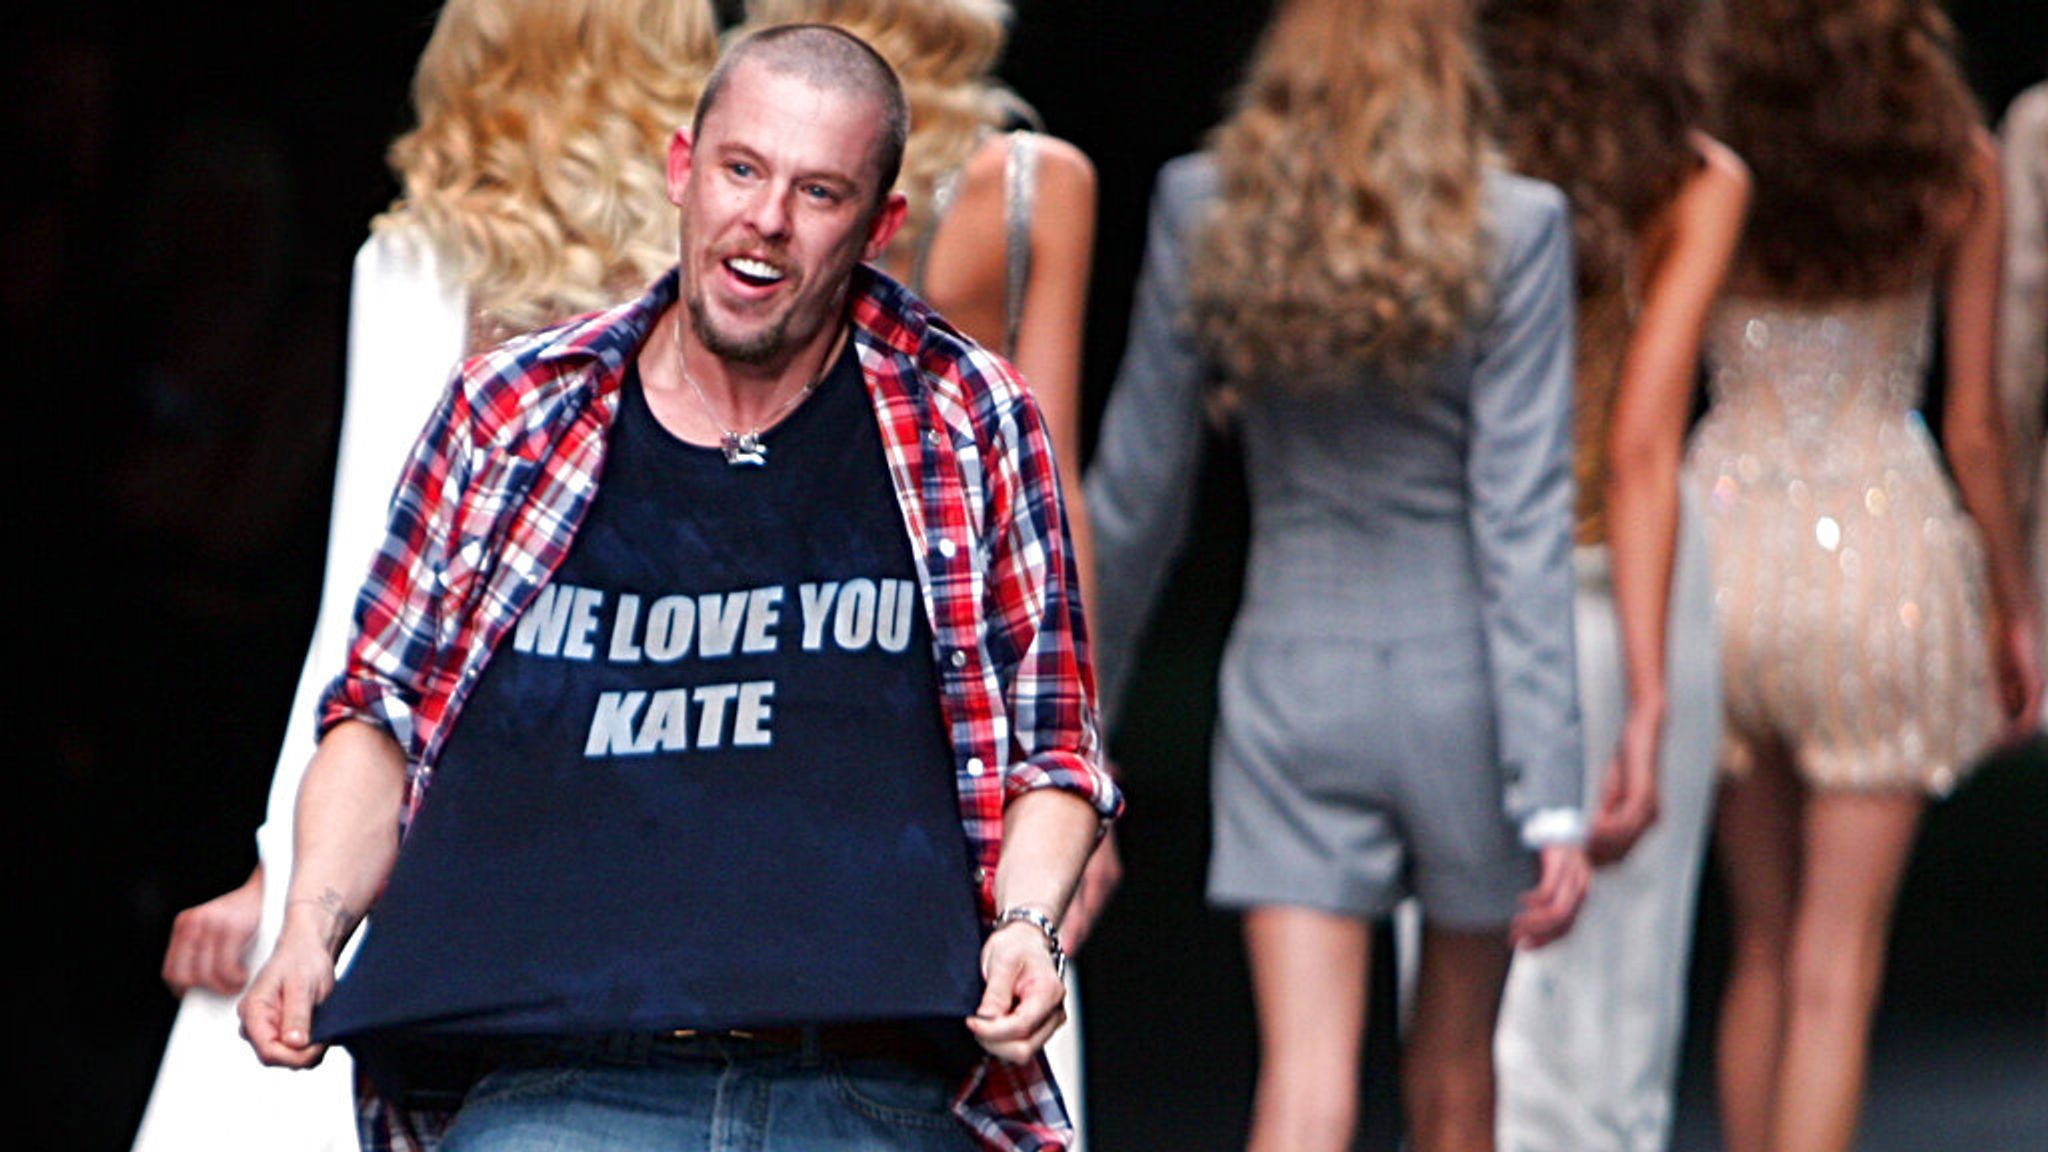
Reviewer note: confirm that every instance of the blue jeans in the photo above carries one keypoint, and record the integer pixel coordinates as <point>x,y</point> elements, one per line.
<point>711,1097</point>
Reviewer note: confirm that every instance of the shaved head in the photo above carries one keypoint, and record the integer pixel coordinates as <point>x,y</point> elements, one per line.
<point>831,60</point>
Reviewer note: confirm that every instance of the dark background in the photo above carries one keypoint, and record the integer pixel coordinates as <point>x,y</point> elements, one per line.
<point>185,187</point>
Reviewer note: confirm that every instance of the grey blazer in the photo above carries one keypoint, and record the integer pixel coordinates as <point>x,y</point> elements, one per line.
<point>1379,511</point>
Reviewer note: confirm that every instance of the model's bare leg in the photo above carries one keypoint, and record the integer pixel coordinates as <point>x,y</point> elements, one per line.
<point>1756,832</point>
<point>1309,973</point>
<point>1856,847</point>
<point>1447,1064</point>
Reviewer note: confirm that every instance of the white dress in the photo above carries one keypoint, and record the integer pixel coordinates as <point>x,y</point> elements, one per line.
<point>1588,1042</point>
<point>406,333</point>
<point>1587,1046</point>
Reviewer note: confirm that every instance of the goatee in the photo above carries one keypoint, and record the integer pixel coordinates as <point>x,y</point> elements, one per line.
<point>761,348</point>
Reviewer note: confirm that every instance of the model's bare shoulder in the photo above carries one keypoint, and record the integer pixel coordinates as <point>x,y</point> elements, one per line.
<point>1721,169</point>
<point>1710,206</point>
<point>1062,166</point>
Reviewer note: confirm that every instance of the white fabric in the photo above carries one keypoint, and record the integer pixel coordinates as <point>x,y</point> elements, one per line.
<point>1588,1040</point>
<point>406,333</point>
<point>1547,826</point>
<point>1068,1071</point>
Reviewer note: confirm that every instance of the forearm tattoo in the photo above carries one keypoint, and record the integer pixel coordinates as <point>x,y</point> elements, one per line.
<point>341,920</point>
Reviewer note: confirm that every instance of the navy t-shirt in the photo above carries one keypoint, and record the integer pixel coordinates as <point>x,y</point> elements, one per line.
<point>706,782</point>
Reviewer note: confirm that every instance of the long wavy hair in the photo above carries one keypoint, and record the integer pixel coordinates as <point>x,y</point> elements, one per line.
<point>1856,122</point>
<point>945,53</point>
<point>1600,98</point>
<point>536,168</point>
<point>1349,230</point>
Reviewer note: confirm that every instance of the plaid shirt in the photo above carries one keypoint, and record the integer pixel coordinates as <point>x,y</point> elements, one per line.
<point>493,494</point>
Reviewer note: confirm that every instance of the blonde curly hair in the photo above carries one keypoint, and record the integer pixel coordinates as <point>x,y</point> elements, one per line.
<point>944,53</point>
<point>1349,231</point>
<point>536,168</point>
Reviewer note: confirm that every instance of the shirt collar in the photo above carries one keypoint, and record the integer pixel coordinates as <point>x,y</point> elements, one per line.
<point>613,336</point>
<point>889,313</point>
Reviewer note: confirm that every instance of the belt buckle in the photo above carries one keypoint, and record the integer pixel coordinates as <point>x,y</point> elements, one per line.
<point>715,1038</point>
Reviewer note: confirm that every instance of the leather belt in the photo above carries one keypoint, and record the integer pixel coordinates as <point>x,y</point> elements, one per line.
<point>893,1042</point>
<point>872,1041</point>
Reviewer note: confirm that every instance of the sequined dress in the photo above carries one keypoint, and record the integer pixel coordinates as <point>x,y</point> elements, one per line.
<point>1848,581</point>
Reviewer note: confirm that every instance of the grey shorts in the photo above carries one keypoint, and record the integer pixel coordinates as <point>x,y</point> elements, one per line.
<point>1349,774</point>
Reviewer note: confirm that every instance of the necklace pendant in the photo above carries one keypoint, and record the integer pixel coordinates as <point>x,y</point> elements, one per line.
<point>743,449</point>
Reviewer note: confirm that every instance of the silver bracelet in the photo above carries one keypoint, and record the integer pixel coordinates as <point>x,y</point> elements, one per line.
<point>1026,914</point>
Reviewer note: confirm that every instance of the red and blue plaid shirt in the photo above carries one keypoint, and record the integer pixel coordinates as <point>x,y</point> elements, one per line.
<point>510,461</point>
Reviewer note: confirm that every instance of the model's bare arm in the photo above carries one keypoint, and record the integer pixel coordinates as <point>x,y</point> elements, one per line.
<point>345,843</point>
<point>1051,326</point>
<point>1973,435</point>
<point>1049,343</point>
<point>1695,242</point>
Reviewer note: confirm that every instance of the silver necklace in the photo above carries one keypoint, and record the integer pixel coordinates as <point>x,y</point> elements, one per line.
<point>745,448</point>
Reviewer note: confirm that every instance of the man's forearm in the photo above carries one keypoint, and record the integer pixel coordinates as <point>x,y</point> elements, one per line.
<point>1048,835</point>
<point>346,834</point>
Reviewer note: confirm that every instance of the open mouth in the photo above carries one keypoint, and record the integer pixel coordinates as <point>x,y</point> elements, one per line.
<point>754,273</point>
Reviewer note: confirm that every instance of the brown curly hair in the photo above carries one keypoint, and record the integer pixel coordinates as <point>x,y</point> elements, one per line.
<point>1857,123</point>
<point>1349,229</point>
<point>1599,97</point>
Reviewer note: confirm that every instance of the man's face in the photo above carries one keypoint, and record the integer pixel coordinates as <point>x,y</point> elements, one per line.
<point>778,204</point>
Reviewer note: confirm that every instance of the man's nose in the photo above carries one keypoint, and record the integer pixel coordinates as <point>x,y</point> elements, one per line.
<point>768,211</point>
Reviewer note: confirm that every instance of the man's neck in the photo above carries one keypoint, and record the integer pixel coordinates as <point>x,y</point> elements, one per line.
<point>700,396</point>
<point>747,394</point>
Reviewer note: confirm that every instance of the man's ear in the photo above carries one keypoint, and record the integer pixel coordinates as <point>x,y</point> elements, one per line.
<point>680,152</point>
<point>887,219</point>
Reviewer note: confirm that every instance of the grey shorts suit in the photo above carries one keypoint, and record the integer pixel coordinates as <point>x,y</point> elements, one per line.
<point>1398,691</point>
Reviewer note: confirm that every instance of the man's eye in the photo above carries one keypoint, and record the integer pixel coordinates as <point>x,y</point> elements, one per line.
<point>740,168</point>
<point>820,193</point>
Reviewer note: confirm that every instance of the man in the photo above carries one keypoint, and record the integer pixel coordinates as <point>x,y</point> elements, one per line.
<point>722,676</point>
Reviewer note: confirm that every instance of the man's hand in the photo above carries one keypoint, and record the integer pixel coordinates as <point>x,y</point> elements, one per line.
<point>1024,1002</point>
<point>1549,908</point>
<point>277,1010</point>
<point>1098,883</point>
<point>1628,795</point>
<point>210,942</point>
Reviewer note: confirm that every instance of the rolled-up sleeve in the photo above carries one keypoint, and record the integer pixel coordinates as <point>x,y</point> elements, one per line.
<point>395,638</point>
<point>1036,633</point>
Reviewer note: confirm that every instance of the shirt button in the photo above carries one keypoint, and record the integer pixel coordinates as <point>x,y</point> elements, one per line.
<point>931,437</point>
<point>975,767</point>
<point>947,547</point>
<point>958,659</point>
<point>981,875</point>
